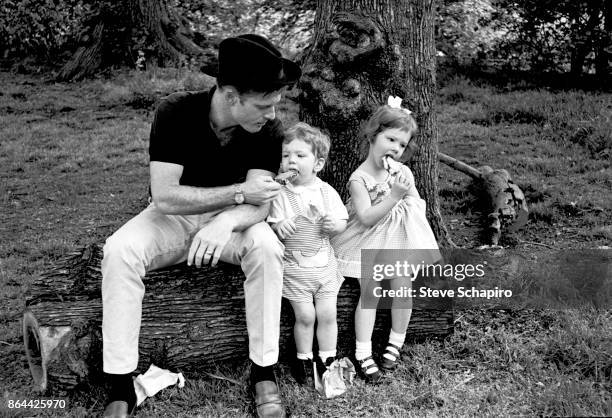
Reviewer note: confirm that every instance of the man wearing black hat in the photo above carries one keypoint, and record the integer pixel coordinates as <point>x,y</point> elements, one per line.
<point>213,155</point>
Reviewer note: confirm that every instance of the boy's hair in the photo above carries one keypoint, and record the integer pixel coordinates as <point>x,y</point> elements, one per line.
<point>314,137</point>
<point>387,117</point>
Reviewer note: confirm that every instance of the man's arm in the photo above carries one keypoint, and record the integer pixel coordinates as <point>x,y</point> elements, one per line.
<point>209,242</point>
<point>243,216</point>
<point>173,198</point>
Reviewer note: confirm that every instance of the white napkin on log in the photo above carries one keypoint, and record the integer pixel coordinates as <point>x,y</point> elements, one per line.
<point>154,380</point>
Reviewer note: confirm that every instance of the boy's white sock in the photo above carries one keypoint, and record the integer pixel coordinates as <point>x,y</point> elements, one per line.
<point>327,354</point>
<point>397,340</point>
<point>305,356</point>
<point>363,349</point>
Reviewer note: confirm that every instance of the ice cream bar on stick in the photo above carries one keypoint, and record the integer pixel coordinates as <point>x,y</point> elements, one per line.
<point>286,177</point>
<point>392,166</point>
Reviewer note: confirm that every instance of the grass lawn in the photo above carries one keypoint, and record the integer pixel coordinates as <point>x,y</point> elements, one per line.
<point>74,167</point>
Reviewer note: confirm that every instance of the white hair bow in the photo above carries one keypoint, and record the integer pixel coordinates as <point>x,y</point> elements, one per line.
<point>396,103</point>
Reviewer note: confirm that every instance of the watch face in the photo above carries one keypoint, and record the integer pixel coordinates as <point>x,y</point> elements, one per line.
<point>239,198</point>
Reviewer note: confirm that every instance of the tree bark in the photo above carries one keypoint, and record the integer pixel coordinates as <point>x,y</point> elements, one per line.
<point>192,320</point>
<point>116,32</point>
<point>362,52</point>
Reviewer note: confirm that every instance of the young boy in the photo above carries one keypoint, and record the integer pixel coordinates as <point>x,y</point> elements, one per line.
<point>304,215</point>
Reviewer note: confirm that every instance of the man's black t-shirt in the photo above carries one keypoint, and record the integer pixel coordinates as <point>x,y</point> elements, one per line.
<point>181,134</point>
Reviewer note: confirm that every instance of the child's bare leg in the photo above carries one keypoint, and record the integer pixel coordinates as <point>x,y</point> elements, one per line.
<point>401,310</point>
<point>327,327</point>
<point>364,326</point>
<point>303,330</point>
<point>366,317</point>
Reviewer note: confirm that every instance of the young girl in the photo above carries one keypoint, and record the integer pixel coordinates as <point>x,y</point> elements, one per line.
<point>304,215</point>
<point>385,212</point>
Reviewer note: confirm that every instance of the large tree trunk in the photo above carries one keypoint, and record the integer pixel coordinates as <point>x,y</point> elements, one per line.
<point>116,32</point>
<point>362,52</point>
<point>192,319</point>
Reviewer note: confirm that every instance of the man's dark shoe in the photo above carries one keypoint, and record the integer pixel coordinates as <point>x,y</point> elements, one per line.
<point>268,401</point>
<point>121,397</point>
<point>118,409</point>
<point>302,371</point>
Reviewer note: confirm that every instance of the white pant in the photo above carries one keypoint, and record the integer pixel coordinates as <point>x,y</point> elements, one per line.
<point>152,240</point>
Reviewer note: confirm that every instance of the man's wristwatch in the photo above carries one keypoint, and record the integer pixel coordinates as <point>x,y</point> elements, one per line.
<point>238,195</point>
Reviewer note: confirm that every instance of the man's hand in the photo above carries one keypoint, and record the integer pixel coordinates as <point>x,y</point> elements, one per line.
<point>285,228</point>
<point>260,190</point>
<point>209,242</point>
<point>331,226</point>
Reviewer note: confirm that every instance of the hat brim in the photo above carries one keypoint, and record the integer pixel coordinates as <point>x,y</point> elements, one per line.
<point>291,71</point>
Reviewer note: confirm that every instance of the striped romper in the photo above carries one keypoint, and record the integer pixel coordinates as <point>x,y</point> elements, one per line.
<point>310,266</point>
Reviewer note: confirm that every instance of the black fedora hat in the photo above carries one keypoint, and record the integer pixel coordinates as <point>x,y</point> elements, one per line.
<point>251,63</point>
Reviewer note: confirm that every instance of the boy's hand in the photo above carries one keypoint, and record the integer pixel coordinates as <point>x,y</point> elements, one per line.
<point>331,226</point>
<point>285,228</point>
<point>400,187</point>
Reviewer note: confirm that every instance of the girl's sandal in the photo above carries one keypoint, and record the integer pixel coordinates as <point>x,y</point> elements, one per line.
<point>369,369</point>
<point>390,358</point>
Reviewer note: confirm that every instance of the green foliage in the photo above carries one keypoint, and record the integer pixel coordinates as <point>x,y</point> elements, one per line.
<point>466,30</point>
<point>288,23</point>
<point>555,35</point>
<point>536,35</point>
<point>504,34</point>
<point>38,28</point>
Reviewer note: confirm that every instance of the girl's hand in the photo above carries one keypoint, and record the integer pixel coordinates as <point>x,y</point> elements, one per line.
<point>400,187</point>
<point>285,228</point>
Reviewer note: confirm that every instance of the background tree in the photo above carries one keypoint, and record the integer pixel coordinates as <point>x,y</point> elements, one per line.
<point>558,36</point>
<point>119,33</point>
<point>362,52</point>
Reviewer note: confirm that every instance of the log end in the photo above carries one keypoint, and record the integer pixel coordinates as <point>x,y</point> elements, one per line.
<point>33,348</point>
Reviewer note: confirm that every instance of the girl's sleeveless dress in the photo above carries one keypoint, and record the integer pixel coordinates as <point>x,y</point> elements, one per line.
<point>404,227</point>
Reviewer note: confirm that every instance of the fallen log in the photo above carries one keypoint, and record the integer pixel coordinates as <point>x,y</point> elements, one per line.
<point>193,319</point>
<point>507,203</point>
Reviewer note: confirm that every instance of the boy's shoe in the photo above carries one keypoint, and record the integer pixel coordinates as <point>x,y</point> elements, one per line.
<point>302,371</point>
<point>322,366</point>
<point>391,357</point>
<point>369,370</point>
